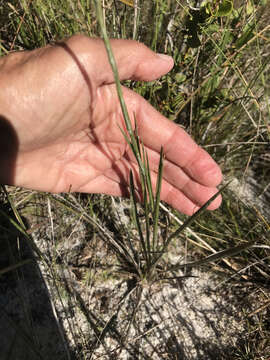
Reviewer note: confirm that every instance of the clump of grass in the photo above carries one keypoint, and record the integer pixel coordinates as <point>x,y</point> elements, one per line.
<point>143,262</point>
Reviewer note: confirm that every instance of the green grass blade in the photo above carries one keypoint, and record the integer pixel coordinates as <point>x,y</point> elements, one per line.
<point>188,222</point>
<point>115,71</point>
<point>157,200</point>
<point>147,179</point>
<point>194,216</point>
<point>136,216</point>
<point>23,232</point>
<point>219,255</point>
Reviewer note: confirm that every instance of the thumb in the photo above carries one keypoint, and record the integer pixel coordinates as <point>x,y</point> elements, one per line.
<point>134,60</point>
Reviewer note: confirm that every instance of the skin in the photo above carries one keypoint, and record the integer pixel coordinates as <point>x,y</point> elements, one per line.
<point>60,108</point>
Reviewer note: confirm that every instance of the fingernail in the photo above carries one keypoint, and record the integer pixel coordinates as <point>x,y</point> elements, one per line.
<point>165,57</point>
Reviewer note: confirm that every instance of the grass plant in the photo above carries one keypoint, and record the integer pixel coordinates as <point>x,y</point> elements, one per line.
<point>219,91</point>
<point>143,262</point>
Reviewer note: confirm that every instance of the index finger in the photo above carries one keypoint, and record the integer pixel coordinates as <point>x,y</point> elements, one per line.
<point>134,60</point>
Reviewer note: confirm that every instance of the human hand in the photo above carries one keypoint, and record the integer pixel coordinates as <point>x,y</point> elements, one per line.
<point>60,119</point>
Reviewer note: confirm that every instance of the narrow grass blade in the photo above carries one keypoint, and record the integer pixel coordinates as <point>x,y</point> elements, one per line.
<point>15,266</point>
<point>17,215</point>
<point>133,143</point>
<point>157,200</point>
<point>23,232</point>
<point>136,216</point>
<point>194,216</point>
<point>219,255</point>
<point>147,179</point>
<point>188,222</point>
<point>114,69</point>
<point>147,214</point>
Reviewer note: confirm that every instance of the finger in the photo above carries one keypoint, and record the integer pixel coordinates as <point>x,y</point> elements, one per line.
<point>179,180</point>
<point>119,175</point>
<point>112,185</point>
<point>179,148</point>
<point>134,60</point>
<point>156,131</point>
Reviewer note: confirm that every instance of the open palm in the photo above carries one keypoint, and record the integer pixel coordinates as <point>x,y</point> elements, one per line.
<point>62,103</point>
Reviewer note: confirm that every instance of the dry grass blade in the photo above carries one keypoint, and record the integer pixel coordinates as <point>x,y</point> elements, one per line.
<point>15,266</point>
